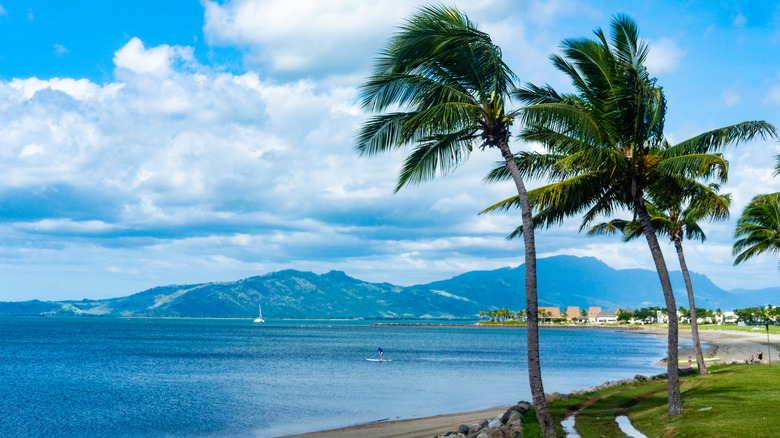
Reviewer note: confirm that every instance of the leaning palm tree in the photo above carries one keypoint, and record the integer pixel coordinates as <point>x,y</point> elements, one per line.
<point>605,147</point>
<point>441,87</point>
<point>678,221</point>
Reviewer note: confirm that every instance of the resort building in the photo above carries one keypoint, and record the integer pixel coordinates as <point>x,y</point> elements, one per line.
<point>572,312</point>
<point>593,313</point>
<point>726,317</point>
<point>606,317</point>
<point>547,314</point>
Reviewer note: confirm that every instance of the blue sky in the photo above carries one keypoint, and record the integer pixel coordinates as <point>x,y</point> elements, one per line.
<point>152,143</point>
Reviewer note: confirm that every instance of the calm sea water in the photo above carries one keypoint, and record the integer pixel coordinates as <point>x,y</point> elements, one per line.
<point>198,378</point>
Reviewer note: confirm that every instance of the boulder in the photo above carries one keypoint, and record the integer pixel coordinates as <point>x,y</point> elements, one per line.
<point>514,431</point>
<point>627,381</point>
<point>496,422</point>
<point>522,407</point>
<point>641,378</point>
<point>463,429</point>
<point>484,423</point>
<point>515,418</point>
<point>510,416</point>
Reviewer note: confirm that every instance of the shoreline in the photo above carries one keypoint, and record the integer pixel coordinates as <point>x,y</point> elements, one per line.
<point>729,345</point>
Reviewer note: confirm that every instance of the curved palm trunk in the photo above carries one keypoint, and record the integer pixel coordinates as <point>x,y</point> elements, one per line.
<point>672,372</point>
<point>694,324</point>
<point>532,309</point>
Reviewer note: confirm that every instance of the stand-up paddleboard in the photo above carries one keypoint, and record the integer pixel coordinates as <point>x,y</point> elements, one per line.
<point>694,360</point>
<point>379,360</point>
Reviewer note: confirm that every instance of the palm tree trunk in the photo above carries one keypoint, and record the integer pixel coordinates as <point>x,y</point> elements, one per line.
<point>534,364</point>
<point>694,324</point>
<point>672,372</point>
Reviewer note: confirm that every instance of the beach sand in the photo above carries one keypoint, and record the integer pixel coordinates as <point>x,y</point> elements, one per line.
<point>730,346</point>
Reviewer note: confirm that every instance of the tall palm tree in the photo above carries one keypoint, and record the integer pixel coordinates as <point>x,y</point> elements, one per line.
<point>605,147</point>
<point>678,221</point>
<point>441,87</point>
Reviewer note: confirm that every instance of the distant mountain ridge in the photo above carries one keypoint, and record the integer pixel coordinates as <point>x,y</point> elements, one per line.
<point>562,281</point>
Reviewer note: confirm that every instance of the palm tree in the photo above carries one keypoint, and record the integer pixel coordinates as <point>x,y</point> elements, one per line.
<point>441,87</point>
<point>758,229</point>
<point>678,221</point>
<point>605,147</point>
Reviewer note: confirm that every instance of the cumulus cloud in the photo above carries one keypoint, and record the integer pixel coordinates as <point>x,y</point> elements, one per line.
<point>288,36</point>
<point>157,60</point>
<point>664,56</point>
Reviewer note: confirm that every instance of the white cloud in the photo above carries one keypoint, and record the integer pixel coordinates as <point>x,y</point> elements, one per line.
<point>157,60</point>
<point>289,36</point>
<point>81,89</point>
<point>664,56</point>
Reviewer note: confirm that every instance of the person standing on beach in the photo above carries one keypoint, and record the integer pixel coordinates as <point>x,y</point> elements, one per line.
<point>690,361</point>
<point>760,355</point>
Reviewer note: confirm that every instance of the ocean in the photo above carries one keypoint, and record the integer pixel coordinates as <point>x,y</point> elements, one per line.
<point>108,377</point>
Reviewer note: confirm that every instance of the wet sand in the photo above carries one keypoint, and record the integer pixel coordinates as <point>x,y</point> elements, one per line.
<point>730,346</point>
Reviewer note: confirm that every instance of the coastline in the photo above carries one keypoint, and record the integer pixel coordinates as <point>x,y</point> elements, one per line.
<point>730,346</point>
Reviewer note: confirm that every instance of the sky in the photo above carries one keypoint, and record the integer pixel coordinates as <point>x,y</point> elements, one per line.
<point>153,143</point>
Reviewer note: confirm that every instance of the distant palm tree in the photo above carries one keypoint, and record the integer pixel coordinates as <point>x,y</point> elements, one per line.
<point>758,229</point>
<point>442,88</point>
<point>677,221</point>
<point>606,148</point>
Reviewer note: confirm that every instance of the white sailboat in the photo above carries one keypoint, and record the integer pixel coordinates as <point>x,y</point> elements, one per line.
<point>259,314</point>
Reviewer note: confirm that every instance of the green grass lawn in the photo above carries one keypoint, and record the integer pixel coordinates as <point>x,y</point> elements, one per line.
<point>731,401</point>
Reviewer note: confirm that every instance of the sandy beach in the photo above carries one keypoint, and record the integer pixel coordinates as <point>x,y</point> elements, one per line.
<point>730,346</point>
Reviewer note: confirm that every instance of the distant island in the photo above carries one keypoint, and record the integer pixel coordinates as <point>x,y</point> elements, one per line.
<point>563,281</point>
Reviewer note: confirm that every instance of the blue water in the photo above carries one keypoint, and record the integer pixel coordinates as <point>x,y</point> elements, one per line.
<point>197,378</point>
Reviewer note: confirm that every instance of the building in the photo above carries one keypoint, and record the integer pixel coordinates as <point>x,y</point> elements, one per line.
<point>572,312</point>
<point>606,317</point>
<point>593,313</point>
<point>547,314</point>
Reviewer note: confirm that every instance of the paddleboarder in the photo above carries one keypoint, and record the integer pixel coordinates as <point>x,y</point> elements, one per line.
<point>380,352</point>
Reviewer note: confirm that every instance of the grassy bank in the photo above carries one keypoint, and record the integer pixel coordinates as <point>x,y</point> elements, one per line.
<point>733,400</point>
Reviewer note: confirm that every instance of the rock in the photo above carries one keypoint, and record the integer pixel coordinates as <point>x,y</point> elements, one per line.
<point>484,423</point>
<point>463,429</point>
<point>627,381</point>
<point>641,378</point>
<point>496,422</point>
<point>522,407</point>
<point>515,432</point>
<point>505,417</point>
<point>515,418</point>
<point>511,431</point>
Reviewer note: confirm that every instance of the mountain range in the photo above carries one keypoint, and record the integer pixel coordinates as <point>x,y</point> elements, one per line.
<point>562,281</point>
